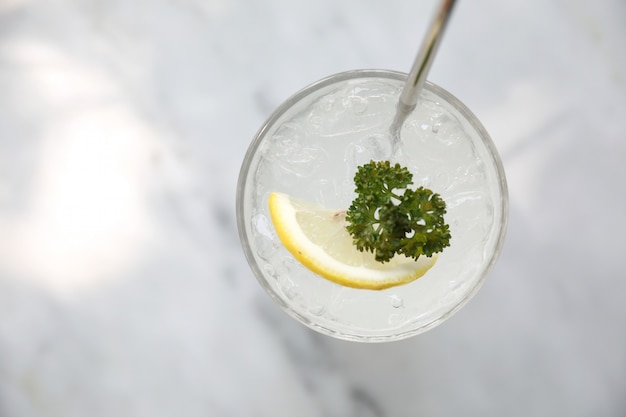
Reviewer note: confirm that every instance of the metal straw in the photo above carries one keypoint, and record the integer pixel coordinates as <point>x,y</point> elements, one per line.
<point>423,61</point>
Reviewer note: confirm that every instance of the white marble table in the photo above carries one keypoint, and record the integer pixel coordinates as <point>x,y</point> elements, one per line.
<point>123,289</point>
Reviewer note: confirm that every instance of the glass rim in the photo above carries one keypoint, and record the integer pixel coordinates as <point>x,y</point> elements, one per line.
<point>438,91</point>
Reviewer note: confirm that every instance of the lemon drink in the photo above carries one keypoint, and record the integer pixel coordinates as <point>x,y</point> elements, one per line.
<point>303,160</point>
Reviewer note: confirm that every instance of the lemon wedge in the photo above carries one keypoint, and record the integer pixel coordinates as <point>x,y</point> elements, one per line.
<point>317,238</point>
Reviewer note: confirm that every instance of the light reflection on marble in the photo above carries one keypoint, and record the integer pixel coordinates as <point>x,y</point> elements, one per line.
<point>123,290</point>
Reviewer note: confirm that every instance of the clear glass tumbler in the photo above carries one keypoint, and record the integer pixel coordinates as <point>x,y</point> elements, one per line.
<point>310,148</point>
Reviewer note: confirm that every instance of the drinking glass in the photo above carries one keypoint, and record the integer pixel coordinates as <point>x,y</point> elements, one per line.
<point>310,148</point>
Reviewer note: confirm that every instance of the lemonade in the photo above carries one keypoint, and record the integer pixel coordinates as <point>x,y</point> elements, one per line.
<point>310,149</point>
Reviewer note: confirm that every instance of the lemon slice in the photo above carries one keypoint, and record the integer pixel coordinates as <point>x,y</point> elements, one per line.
<point>317,238</point>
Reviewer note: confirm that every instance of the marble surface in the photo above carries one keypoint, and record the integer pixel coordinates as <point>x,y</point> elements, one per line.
<point>123,289</point>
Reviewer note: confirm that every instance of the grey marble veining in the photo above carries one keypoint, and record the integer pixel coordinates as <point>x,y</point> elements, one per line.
<point>123,289</point>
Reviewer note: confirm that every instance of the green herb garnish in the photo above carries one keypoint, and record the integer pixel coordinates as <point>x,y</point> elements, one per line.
<point>387,218</point>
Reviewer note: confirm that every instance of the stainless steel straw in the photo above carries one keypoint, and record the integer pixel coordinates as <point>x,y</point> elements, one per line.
<point>423,61</point>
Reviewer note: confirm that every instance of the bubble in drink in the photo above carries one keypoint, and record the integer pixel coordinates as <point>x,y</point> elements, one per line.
<point>310,149</point>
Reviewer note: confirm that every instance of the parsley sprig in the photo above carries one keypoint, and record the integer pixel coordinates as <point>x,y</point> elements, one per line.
<point>388,218</point>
